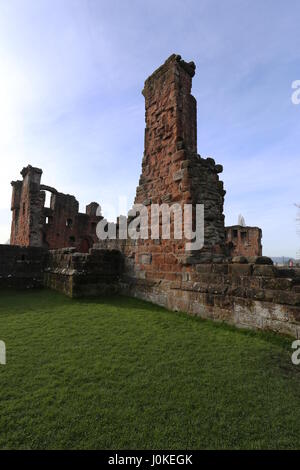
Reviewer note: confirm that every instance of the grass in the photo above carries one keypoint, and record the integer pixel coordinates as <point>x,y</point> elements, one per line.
<point>120,373</point>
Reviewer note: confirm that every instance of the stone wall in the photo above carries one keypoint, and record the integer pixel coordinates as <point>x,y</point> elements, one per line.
<point>21,267</point>
<point>26,205</point>
<point>84,274</point>
<point>246,290</point>
<point>58,226</point>
<point>246,293</point>
<point>72,273</point>
<point>243,241</point>
<point>173,173</point>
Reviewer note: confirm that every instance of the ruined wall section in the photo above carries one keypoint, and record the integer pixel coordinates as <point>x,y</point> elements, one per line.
<point>58,226</point>
<point>84,274</point>
<point>173,172</point>
<point>15,207</point>
<point>22,267</point>
<point>244,241</point>
<point>244,291</point>
<point>64,226</point>
<point>249,294</point>
<point>27,204</point>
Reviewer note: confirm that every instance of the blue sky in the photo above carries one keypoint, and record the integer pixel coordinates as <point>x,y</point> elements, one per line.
<point>71,75</point>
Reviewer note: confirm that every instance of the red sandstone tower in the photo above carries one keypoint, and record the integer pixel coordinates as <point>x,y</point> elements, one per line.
<point>27,203</point>
<point>172,171</point>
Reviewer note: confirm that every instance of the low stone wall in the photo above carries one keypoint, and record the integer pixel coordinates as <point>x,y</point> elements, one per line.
<point>84,274</point>
<point>21,267</point>
<point>247,294</point>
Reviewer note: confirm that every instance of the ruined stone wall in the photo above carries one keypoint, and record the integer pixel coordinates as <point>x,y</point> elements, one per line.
<point>249,294</point>
<point>244,291</point>
<point>64,226</point>
<point>243,241</point>
<point>27,203</point>
<point>84,274</point>
<point>58,226</point>
<point>22,267</point>
<point>173,172</point>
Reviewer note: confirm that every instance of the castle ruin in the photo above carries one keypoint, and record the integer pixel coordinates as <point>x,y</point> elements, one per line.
<point>226,280</point>
<point>58,226</point>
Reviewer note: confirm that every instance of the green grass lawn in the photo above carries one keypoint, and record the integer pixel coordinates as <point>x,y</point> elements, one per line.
<point>122,373</point>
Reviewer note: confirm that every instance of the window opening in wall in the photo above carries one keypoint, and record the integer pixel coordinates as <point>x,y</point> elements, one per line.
<point>47,199</point>
<point>243,236</point>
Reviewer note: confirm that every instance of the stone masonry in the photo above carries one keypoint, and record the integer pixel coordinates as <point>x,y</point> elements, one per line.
<point>58,226</point>
<point>22,267</point>
<point>84,274</point>
<point>211,282</point>
<point>173,172</point>
<point>243,241</point>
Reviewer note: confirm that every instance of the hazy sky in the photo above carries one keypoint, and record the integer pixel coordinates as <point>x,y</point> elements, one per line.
<point>71,75</point>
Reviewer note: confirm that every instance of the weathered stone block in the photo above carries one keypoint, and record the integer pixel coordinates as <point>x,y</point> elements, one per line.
<point>286,297</point>
<point>240,269</point>
<point>204,268</point>
<point>260,260</point>
<point>277,283</point>
<point>264,270</point>
<point>220,268</point>
<point>145,258</point>
<point>240,259</point>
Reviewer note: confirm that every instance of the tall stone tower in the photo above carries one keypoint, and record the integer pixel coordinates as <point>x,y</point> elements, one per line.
<point>172,171</point>
<point>26,205</point>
